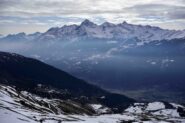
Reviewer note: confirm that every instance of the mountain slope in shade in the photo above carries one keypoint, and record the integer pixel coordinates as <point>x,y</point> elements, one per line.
<point>37,77</point>
<point>108,31</point>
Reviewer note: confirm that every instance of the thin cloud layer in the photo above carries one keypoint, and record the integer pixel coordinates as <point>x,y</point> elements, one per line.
<point>21,15</point>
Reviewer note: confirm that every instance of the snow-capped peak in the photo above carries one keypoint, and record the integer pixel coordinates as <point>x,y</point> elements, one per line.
<point>88,23</point>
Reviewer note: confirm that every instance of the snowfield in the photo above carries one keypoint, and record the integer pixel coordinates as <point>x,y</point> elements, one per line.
<point>13,111</point>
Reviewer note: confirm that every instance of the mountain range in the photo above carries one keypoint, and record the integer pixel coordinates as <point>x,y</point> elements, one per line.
<point>110,31</point>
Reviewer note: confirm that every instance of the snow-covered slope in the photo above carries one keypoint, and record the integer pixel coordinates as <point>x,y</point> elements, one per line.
<point>22,107</point>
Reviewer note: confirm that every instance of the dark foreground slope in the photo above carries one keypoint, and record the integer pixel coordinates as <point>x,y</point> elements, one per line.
<point>44,80</point>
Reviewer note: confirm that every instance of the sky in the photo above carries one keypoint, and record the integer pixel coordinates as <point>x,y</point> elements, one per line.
<point>39,15</point>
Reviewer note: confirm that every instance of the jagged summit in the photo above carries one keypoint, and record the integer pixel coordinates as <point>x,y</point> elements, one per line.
<point>87,22</point>
<point>124,22</point>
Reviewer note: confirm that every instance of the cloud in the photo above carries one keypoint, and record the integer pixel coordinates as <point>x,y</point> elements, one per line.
<point>158,11</point>
<point>59,12</point>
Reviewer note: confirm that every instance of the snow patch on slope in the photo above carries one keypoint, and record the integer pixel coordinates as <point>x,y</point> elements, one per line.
<point>100,109</point>
<point>155,106</point>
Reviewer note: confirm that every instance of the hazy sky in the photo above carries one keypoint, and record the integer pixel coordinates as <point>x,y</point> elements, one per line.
<point>39,15</point>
